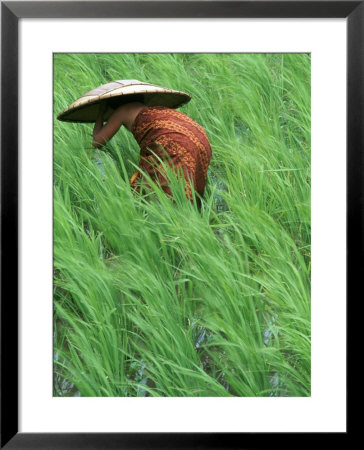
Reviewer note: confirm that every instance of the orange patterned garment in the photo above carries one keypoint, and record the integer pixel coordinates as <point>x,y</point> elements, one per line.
<point>178,141</point>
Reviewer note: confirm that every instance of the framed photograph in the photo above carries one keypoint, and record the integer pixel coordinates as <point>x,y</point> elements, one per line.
<point>167,168</point>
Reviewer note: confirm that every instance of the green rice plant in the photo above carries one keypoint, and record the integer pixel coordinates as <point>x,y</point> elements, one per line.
<point>154,297</point>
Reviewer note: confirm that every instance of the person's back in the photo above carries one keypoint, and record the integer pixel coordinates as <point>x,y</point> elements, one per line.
<point>174,138</point>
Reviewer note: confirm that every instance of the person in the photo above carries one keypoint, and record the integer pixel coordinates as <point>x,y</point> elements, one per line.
<point>165,136</point>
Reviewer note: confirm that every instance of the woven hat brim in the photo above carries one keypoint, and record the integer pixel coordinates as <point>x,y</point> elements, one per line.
<point>86,108</point>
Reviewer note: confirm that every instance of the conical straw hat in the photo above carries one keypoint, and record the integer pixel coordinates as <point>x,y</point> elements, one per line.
<point>116,93</point>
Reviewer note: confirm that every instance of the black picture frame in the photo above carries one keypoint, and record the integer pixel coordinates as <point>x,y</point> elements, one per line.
<point>11,12</point>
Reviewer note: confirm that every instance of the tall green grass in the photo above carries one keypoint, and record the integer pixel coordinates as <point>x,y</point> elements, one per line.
<point>159,298</point>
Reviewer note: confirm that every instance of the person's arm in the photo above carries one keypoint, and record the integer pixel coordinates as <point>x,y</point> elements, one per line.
<point>99,123</point>
<point>103,133</point>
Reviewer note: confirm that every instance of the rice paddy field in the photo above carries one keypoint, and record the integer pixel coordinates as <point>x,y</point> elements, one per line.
<point>154,297</point>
